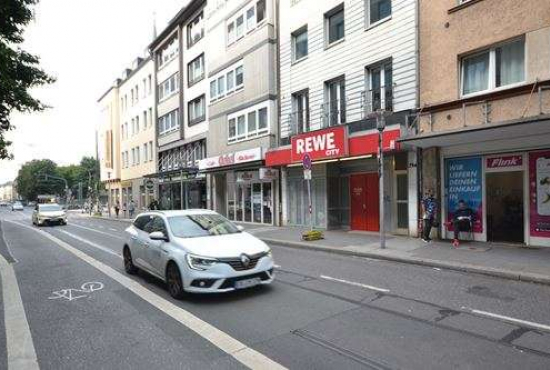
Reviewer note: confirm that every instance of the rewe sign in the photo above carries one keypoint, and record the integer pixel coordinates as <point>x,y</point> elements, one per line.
<point>324,144</point>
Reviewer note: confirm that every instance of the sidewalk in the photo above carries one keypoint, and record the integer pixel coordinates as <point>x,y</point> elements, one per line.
<point>500,260</point>
<point>493,259</point>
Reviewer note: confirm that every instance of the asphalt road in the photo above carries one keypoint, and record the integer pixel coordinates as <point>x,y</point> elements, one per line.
<point>323,311</point>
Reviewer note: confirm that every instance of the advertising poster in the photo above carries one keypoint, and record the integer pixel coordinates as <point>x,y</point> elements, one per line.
<point>539,202</point>
<point>463,179</point>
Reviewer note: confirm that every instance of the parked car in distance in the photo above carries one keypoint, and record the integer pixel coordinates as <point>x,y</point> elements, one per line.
<point>196,251</point>
<point>49,213</point>
<point>4,204</point>
<point>17,206</point>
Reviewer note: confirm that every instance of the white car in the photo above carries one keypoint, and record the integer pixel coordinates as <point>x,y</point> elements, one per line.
<point>17,206</point>
<point>49,213</point>
<point>196,251</point>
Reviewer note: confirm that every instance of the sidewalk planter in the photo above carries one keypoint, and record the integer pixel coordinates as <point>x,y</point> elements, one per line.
<point>312,235</point>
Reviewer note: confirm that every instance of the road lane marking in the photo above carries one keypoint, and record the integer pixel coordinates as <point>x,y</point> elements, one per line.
<point>95,245</point>
<point>19,343</point>
<point>97,231</point>
<point>113,229</point>
<point>241,352</point>
<point>355,284</point>
<point>530,324</point>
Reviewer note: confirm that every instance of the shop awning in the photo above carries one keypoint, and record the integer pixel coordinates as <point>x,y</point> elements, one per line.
<point>534,131</point>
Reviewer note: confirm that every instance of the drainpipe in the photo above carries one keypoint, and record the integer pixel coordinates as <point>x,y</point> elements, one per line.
<point>278,134</point>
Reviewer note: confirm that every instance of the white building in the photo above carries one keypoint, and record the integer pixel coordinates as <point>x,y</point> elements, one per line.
<point>339,62</point>
<point>137,134</point>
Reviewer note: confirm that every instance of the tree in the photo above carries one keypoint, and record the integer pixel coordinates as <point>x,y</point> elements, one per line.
<point>31,179</point>
<point>19,70</point>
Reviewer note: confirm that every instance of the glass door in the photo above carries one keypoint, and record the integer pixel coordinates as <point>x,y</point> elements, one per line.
<point>247,202</point>
<point>267,203</point>
<point>257,202</point>
<point>402,200</point>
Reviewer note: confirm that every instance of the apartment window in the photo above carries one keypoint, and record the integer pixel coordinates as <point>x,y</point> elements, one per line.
<point>195,30</point>
<point>239,24</point>
<point>149,85</point>
<point>334,109</point>
<point>168,122</point>
<point>300,112</point>
<point>379,95</point>
<point>260,11</point>
<point>299,44</point>
<point>137,125</point>
<point>151,150</point>
<point>500,66</point>
<point>168,52</point>
<point>169,87</point>
<point>137,155</point>
<point>378,10</point>
<point>137,93</point>
<point>195,70</point>
<point>248,124</point>
<point>231,33</point>
<point>150,117</point>
<point>126,130</point>
<point>250,19</point>
<point>144,88</point>
<point>145,153</point>
<point>144,120</point>
<point>226,82</point>
<point>196,109</point>
<point>334,21</point>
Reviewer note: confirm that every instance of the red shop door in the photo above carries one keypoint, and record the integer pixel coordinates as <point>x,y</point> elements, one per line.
<point>364,202</point>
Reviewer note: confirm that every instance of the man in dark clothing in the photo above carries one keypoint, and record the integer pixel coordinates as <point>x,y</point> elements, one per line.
<point>463,219</point>
<point>154,204</point>
<point>429,210</point>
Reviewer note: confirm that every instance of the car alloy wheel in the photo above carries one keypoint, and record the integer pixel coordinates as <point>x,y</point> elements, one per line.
<point>173,279</point>
<point>129,266</point>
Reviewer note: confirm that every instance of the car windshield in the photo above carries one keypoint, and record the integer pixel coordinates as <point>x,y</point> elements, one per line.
<point>49,208</point>
<point>201,225</point>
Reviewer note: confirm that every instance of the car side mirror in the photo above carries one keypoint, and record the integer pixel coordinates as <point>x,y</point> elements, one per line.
<point>240,228</point>
<point>158,235</point>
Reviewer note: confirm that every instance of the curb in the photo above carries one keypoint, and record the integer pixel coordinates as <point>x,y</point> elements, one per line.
<point>487,271</point>
<point>112,219</point>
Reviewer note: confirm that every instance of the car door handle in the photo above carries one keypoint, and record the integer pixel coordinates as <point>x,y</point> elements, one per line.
<point>133,238</point>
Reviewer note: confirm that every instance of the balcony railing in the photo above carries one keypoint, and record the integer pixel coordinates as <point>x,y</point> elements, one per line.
<point>358,107</point>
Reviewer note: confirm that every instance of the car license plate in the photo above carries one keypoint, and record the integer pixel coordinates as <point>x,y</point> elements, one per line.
<point>247,283</point>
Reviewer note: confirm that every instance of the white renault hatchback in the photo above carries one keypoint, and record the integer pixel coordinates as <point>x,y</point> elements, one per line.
<point>196,251</point>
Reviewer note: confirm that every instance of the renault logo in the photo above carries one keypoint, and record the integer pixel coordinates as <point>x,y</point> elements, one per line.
<point>245,260</point>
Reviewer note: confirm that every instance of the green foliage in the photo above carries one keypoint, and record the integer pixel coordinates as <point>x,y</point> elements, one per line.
<point>19,70</point>
<point>30,181</point>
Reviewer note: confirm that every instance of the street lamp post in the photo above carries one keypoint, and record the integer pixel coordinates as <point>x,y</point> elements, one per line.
<point>109,198</point>
<point>381,125</point>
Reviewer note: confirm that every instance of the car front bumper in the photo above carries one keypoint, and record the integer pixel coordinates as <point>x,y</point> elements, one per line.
<point>223,278</point>
<point>51,220</point>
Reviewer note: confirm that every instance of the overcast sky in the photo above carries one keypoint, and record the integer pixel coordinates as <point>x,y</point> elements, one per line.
<point>85,44</point>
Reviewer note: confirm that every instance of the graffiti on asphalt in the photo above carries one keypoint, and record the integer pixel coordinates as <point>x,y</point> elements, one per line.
<point>73,294</point>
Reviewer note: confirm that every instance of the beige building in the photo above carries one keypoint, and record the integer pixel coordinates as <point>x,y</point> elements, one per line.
<point>108,140</point>
<point>8,192</point>
<point>137,134</point>
<point>484,122</point>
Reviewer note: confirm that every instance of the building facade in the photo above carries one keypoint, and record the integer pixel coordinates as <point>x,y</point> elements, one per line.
<point>340,63</point>
<point>484,129</point>
<point>137,135</point>
<point>243,109</point>
<point>108,141</point>
<point>180,56</point>
<point>8,192</point>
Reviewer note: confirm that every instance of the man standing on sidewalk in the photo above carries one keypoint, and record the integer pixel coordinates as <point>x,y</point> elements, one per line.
<point>429,210</point>
<point>131,208</point>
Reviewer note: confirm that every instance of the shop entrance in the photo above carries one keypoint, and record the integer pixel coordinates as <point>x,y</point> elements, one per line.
<point>364,202</point>
<point>254,202</point>
<point>505,221</point>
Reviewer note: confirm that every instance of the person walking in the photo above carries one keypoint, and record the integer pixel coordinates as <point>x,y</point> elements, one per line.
<point>131,208</point>
<point>429,210</point>
<point>154,204</point>
<point>117,208</point>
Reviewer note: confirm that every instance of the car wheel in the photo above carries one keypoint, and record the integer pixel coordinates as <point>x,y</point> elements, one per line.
<point>129,266</point>
<point>173,279</point>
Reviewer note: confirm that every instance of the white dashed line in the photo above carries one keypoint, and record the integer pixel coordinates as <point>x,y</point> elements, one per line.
<point>97,246</point>
<point>509,319</point>
<point>355,284</point>
<point>112,229</point>
<point>100,232</point>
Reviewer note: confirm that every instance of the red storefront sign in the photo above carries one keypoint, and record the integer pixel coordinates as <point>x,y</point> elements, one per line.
<point>505,161</point>
<point>325,144</point>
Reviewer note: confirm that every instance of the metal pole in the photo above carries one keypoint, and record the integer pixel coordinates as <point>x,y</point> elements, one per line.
<point>109,198</point>
<point>310,208</point>
<point>381,182</point>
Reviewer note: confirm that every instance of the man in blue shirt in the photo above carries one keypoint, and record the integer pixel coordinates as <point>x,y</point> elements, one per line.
<point>429,211</point>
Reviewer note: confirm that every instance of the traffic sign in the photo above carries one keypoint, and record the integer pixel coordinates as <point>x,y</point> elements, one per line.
<point>306,162</point>
<point>307,174</point>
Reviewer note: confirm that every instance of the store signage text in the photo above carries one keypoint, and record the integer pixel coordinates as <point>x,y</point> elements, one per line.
<point>231,159</point>
<point>268,174</point>
<point>505,161</point>
<point>325,144</point>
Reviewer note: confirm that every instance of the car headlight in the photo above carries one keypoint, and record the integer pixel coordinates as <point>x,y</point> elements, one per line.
<point>200,263</point>
<point>269,253</point>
